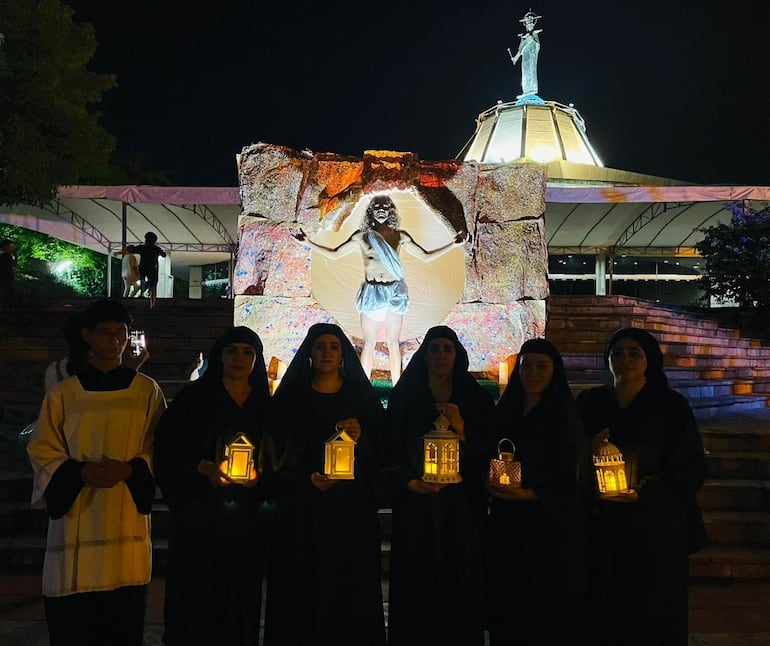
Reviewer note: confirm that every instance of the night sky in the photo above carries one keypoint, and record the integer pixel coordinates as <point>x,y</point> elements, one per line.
<point>675,89</point>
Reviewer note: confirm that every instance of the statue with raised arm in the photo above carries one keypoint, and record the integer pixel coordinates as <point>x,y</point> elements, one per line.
<point>529,48</point>
<point>382,298</point>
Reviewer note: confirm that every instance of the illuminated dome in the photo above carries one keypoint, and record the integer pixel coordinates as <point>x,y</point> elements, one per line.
<point>530,131</point>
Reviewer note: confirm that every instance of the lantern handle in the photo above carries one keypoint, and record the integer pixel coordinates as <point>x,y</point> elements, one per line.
<point>510,441</point>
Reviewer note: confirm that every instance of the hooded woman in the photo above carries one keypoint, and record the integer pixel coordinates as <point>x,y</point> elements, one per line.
<point>436,564</point>
<point>639,539</point>
<point>218,535</point>
<point>535,557</point>
<point>324,571</point>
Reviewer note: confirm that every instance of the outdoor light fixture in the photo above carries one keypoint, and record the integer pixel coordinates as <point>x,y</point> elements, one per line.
<point>505,469</point>
<point>610,469</point>
<point>238,464</point>
<point>442,454</point>
<point>339,456</point>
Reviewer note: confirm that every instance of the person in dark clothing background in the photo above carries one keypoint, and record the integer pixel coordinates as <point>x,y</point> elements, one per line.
<point>640,539</point>
<point>7,269</point>
<point>148,253</point>
<point>536,558</point>
<point>324,586</point>
<point>436,573</point>
<point>218,539</point>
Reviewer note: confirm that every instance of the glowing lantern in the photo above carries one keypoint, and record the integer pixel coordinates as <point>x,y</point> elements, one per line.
<point>505,470</point>
<point>442,454</point>
<point>339,456</point>
<point>238,464</point>
<point>610,469</point>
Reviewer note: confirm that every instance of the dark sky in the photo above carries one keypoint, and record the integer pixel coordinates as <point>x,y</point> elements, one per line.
<point>676,89</point>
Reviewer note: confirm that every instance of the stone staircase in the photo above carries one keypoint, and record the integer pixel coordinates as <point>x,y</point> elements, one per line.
<point>716,368</point>
<point>724,375</point>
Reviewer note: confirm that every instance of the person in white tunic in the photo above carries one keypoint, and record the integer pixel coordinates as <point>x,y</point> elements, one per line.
<point>91,455</point>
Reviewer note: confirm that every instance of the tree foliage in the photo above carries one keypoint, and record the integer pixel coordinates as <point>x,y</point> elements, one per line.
<point>38,256</point>
<point>737,258</point>
<point>48,135</point>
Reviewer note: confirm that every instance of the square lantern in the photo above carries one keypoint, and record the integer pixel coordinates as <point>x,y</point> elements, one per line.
<point>238,462</point>
<point>339,456</point>
<point>610,469</point>
<point>505,469</point>
<point>442,454</point>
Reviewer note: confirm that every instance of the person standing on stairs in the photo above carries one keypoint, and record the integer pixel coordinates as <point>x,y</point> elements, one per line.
<point>639,539</point>
<point>91,456</point>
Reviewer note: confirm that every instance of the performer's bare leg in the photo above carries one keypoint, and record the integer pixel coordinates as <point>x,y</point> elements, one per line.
<point>393,323</point>
<point>369,330</point>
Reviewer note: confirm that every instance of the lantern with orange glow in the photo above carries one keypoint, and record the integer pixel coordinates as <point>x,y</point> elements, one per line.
<point>442,454</point>
<point>610,469</point>
<point>238,462</point>
<point>505,469</point>
<point>339,456</point>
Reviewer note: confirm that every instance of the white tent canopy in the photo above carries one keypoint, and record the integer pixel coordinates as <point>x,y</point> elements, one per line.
<point>199,225</point>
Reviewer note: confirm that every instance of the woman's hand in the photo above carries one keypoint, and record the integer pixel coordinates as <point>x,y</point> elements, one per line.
<point>452,413</point>
<point>420,486</point>
<point>321,481</point>
<point>351,426</point>
<point>507,492</point>
<point>620,496</point>
<point>215,475</point>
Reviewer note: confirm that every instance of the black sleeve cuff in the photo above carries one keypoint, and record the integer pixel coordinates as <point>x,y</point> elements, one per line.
<point>141,484</point>
<point>64,487</point>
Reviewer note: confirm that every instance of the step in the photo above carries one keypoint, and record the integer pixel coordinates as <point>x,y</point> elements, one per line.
<point>735,495</point>
<point>746,529</point>
<point>730,563</point>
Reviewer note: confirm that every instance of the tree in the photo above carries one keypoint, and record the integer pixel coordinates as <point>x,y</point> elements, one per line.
<point>48,136</point>
<point>737,259</point>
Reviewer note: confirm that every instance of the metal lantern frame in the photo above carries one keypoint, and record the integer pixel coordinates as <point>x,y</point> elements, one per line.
<point>505,469</point>
<point>239,459</point>
<point>610,469</point>
<point>441,448</point>
<point>340,456</point>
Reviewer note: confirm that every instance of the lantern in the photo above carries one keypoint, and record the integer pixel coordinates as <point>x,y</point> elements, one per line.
<point>442,454</point>
<point>238,464</point>
<point>339,456</point>
<point>505,470</point>
<point>610,469</point>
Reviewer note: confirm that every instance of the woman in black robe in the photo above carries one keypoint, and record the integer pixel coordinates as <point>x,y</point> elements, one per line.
<point>436,569</point>
<point>324,583</point>
<point>535,552</point>
<point>218,535</point>
<point>640,539</point>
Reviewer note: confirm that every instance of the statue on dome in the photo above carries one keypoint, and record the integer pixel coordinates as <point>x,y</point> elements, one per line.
<point>529,48</point>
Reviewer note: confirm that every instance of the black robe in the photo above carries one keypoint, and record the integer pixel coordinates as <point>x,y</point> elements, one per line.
<point>638,552</point>
<point>436,568</point>
<point>535,555</point>
<point>218,537</point>
<point>324,584</point>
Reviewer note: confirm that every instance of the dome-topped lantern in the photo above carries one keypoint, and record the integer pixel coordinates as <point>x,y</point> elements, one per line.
<point>530,129</point>
<point>610,469</point>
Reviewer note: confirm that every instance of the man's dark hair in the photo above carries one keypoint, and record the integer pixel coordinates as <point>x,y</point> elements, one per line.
<point>106,309</point>
<point>150,237</point>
